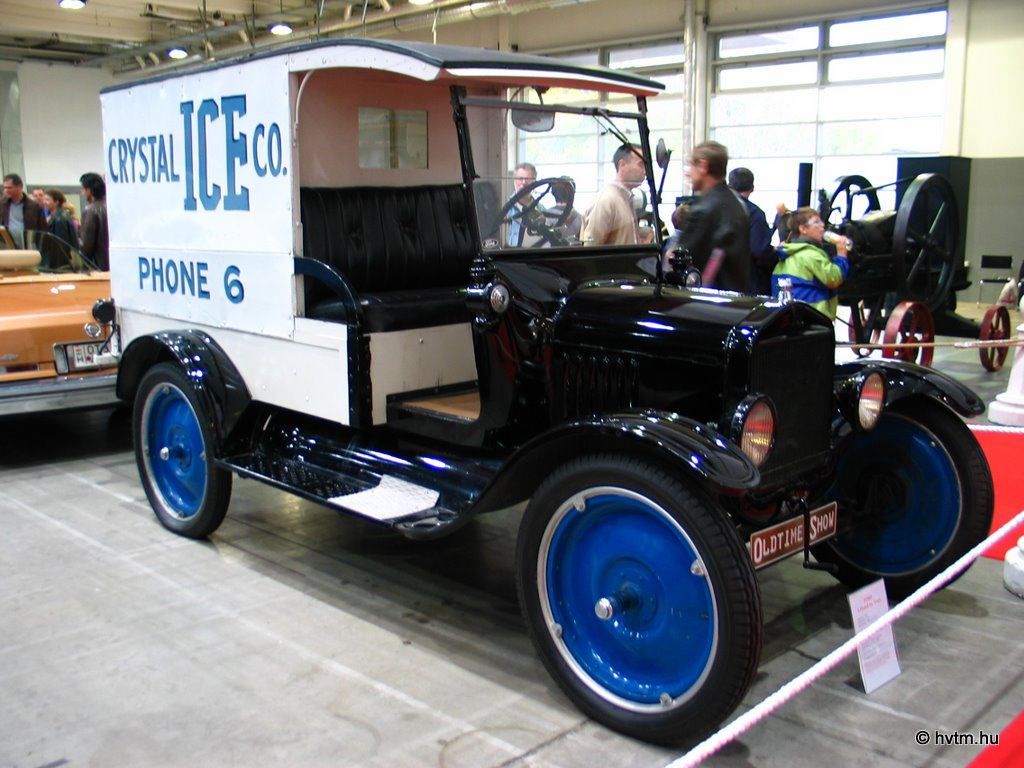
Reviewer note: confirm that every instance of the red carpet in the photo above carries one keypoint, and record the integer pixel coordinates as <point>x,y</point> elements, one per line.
<point>1008,752</point>
<point>1004,448</point>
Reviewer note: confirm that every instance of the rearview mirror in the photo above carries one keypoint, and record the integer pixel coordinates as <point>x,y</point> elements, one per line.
<point>533,121</point>
<point>662,154</point>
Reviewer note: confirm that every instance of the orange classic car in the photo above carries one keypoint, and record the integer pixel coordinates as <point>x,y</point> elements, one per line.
<point>53,353</point>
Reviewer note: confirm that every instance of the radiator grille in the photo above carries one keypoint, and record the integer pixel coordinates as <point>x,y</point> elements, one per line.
<point>795,371</point>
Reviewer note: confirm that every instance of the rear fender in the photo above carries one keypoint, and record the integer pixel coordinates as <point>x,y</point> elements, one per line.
<point>694,450</point>
<point>217,382</point>
<point>905,380</point>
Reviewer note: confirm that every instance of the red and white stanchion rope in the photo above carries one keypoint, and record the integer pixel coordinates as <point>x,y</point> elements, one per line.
<point>750,718</point>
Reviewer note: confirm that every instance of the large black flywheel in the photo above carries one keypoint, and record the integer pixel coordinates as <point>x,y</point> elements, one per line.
<point>926,241</point>
<point>853,199</point>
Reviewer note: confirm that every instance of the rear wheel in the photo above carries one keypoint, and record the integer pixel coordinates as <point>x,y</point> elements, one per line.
<point>640,598</point>
<point>918,492</point>
<point>173,442</point>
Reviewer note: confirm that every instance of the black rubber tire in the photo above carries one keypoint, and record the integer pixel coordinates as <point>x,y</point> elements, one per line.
<point>188,493</point>
<point>957,449</point>
<point>637,638</point>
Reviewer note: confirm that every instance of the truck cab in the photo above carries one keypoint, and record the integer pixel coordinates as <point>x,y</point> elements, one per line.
<point>326,279</point>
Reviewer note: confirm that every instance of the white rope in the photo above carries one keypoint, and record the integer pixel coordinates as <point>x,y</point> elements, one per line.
<point>750,718</point>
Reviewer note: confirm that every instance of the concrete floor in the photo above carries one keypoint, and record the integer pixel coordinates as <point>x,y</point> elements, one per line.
<point>296,637</point>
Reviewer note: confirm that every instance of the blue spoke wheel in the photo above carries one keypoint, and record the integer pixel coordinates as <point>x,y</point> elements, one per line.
<point>640,598</point>
<point>915,493</point>
<point>173,443</point>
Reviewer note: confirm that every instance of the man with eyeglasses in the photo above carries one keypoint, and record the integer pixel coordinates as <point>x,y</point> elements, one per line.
<point>523,175</point>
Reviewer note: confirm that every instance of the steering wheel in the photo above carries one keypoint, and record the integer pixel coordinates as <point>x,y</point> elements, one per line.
<point>523,206</point>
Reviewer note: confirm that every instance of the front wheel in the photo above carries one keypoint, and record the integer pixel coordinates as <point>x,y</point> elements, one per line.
<point>918,493</point>
<point>173,451</point>
<point>640,598</point>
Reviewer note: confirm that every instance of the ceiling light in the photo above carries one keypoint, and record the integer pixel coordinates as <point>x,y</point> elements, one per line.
<point>420,2</point>
<point>177,53</point>
<point>280,29</point>
<point>72,5</point>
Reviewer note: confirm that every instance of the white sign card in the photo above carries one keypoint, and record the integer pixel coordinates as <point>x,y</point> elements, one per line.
<point>879,662</point>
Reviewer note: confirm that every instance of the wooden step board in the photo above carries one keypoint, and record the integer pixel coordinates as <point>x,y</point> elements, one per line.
<point>464,406</point>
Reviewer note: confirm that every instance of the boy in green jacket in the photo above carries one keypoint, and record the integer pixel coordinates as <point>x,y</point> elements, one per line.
<point>815,275</point>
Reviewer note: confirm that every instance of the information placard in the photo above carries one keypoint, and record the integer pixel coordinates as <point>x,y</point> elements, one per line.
<point>879,662</point>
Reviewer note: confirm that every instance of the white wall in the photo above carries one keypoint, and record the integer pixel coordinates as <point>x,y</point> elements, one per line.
<point>60,122</point>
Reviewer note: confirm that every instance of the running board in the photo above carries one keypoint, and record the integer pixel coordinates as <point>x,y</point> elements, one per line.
<point>421,496</point>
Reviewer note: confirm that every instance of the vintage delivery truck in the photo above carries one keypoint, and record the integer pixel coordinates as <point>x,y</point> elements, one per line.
<point>314,287</point>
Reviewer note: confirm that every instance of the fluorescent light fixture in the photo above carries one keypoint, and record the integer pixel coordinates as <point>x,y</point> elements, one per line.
<point>177,53</point>
<point>420,2</point>
<point>280,29</point>
<point>71,5</point>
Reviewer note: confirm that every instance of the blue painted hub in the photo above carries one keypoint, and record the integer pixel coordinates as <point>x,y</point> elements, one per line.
<point>179,473</point>
<point>906,492</point>
<point>661,638</point>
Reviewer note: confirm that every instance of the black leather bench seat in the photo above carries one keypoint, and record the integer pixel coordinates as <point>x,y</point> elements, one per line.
<point>405,252</point>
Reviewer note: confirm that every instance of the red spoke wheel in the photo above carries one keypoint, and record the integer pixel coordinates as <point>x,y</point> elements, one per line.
<point>995,326</point>
<point>862,321</point>
<point>910,323</point>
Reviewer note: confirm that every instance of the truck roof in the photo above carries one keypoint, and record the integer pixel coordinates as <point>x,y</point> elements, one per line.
<point>441,63</point>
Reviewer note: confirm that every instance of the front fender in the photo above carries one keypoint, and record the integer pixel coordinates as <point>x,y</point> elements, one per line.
<point>694,449</point>
<point>905,380</point>
<point>217,382</point>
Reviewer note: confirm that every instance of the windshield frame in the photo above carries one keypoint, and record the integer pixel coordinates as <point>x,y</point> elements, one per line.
<point>463,101</point>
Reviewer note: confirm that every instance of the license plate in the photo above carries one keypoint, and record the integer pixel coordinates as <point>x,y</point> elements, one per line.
<point>778,542</point>
<point>82,356</point>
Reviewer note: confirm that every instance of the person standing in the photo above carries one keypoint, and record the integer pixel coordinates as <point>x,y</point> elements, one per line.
<point>19,212</point>
<point>523,175</point>
<point>95,237</point>
<point>763,257</point>
<point>717,230</point>
<point>815,275</point>
<point>612,220</point>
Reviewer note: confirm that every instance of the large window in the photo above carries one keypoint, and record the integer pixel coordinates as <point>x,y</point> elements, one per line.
<point>848,95</point>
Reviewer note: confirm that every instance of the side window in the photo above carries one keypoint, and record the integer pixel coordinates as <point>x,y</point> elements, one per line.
<point>392,138</point>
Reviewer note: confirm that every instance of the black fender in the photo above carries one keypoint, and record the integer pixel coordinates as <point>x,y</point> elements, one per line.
<point>217,382</point>
<point>905,380</point>
<point>697,451</point>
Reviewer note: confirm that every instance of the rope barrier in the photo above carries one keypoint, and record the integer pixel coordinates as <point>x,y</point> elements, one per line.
<point>934,344</point>
<point>768,705</point>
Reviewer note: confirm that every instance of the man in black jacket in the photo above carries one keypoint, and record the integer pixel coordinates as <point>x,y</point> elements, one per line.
<point>716,231</point>
<point>19,212</point>
<point>762,254</point>
<point>95,237</point>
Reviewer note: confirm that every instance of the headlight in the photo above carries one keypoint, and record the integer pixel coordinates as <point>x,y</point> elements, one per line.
<point>870,400</point>
<point>753,427</point>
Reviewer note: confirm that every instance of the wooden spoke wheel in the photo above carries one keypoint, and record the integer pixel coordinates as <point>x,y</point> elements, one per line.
<point>864,327</point>
<point>910,323</point>
<point>995,326</point>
